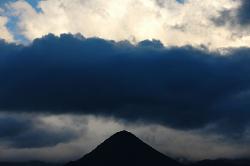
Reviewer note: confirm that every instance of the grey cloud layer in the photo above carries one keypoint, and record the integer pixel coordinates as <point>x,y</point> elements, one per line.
<point>93,130</point>
<point>184,88</point>
<point>30,132</point>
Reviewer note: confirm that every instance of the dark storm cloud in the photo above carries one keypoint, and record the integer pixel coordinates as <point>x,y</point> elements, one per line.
<point>10,127</point>
<point>36,138</point>
<point>243,13</point>
<point>24,132</point>
<point>183,87</point>
<point>7,49</point>
<point>239,16</point>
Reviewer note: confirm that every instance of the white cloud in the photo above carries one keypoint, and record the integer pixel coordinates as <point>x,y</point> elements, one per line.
<point>172,22</point>
<point>4,32</point>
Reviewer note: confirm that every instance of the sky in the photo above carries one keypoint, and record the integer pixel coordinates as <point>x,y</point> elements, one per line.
<point>74,72</point>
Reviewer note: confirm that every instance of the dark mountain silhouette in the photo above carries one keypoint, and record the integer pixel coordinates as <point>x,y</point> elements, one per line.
<point>124,149</point>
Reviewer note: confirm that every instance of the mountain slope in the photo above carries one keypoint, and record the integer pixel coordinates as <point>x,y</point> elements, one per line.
<point>124,149</point>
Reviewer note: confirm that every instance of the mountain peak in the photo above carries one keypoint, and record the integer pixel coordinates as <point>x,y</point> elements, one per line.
<point>122,135</point>
<point>122,140</point>
<point>123,132</point>
<point>124,148</point>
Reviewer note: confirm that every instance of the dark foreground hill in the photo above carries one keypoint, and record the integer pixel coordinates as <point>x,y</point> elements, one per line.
<point>223,162</point>
<point>30,163</point>
<point>124,149</point>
